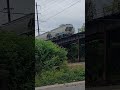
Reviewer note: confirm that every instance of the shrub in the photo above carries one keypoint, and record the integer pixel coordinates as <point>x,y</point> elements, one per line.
<point>49,56</point>
<point>17,55</point>
<point>72,52</point>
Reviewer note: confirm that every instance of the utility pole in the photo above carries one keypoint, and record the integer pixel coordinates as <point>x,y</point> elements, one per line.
<point>8,11</point>
<point>78,50</point>
<point>37,20</point>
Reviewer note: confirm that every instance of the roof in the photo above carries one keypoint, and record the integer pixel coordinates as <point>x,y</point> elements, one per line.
<point>18,19</point>
<point>112,17</point>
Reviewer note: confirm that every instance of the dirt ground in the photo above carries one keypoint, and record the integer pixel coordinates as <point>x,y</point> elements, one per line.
<point>75,65</point>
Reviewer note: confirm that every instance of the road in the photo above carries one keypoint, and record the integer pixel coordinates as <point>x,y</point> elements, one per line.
<point>77,86</point>
<point>70,86</point>
<point>112,87</point>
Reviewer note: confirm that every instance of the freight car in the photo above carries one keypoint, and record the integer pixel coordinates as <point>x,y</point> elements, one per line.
<point>57,33</point>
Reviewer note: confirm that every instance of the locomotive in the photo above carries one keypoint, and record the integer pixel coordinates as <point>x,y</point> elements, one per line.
<point>57,33</point>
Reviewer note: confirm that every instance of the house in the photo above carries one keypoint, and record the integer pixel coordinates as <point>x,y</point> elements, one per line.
<point>22,25</point>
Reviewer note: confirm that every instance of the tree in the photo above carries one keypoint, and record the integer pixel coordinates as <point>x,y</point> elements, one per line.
<point>90,10</point>
<point>72,52</point>
<point>112,8</point>
<point>82,29</point>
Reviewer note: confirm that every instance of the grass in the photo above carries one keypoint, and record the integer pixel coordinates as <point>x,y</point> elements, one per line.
<point>66,75</point>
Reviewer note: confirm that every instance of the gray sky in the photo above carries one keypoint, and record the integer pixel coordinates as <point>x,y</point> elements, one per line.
<point>75,14</point>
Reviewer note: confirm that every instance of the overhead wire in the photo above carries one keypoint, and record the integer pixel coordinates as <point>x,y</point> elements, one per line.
<point>50,2</point>
<point>45,10</point>
<point>71,3</point>
<point>65,9</point>
<point>13,13</point>
<point>53,9</point>
<point>17,13</point>
<point>52,6</point>
<point>62,10</point>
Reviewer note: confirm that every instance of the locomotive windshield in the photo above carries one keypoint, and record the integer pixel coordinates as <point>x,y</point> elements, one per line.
<point>69,29</point>
<point>49,36</point>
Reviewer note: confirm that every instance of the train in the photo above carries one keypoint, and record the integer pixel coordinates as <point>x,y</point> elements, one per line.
<point>62,31</point>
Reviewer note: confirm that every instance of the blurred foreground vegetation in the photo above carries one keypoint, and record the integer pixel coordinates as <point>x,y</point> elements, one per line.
<point>17,61</point>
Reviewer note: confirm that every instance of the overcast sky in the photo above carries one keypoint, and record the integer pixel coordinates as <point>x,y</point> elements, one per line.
<point>56,12</point>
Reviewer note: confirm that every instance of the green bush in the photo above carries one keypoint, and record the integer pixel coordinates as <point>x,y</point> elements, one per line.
<point>49,56</point>
<point>72,52</point>
<point>51,65</point>
<point>60,76</point>
<point>17,55</point>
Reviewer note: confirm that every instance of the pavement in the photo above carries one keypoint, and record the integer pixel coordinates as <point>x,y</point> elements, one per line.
<point>77,86</point>
<point>112,87</point>
<point>68,86</point>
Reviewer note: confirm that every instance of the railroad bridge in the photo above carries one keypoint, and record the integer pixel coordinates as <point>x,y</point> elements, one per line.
<point>78,38</point>
<point>70,39</point>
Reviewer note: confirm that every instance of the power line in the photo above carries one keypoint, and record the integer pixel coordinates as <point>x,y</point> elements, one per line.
<point>40,31</point>
<point>45,10</point>
<point>51,4</point>
<point>40,21</point>
<point>51,1</point>
<point>13,13</point>
<point>49,8</point>
<point>55,5</point>
<point>18,13</point>
<point>62,10</point>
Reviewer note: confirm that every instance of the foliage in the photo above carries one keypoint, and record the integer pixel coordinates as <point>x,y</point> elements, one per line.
<point>66,75</point>
<point>72,52</point>
<point>49,56</point>
<point>95,55</point>
<point>51,65</point>
<point>82,29</point>
<point>17,55</point>
<point>112,7</point>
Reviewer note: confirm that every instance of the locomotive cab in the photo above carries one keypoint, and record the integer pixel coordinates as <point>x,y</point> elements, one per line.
<point>62,31</point>
<point>49,36</point>
<point>69,29</point>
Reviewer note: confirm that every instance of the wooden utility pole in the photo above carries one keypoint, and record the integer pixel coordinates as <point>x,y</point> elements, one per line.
<point>8,11</point>
<point>78,50</point>
<point>37,20</point>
